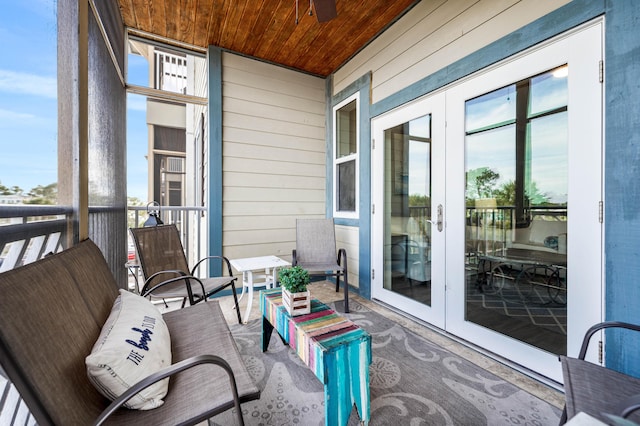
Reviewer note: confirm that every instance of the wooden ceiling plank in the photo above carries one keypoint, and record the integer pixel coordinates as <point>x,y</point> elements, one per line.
<point>375,18</point>
<point>244,30</point>
<point>232,22</point>
<point>315,37</point>
<point>301,40</point>
<point>333,43</point>
<point>282,29</point>
<point>266,14</point>
<point>270,34</point>
<point>142,14</point>
<point>158,16</point>
<point>126,11</point>
<point>215,23</point>
<point>172,14</point>
<point>203,12</point>
<point>185,27</point>
<point>217,31</point>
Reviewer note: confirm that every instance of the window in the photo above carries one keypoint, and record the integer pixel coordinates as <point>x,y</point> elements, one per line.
<point>346,115</point>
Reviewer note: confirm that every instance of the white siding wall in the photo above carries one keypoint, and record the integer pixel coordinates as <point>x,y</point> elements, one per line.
<point>274,166</point>
<point>347,237</point>
<point>433,35</point>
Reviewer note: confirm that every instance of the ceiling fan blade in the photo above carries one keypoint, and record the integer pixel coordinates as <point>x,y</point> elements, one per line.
<point>325,10</point>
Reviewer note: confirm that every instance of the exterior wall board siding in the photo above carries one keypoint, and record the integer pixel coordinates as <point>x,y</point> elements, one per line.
<point>432,36</point>
<point>274,181</point>
<point>273,162</point>
<point>347,237</point>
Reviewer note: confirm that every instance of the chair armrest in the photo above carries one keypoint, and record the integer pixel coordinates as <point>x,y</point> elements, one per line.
<point>628,406</point>
<point>600,326</point>
<point>170,371</point>
<point>183,277</point>
<point>342,257</point>
<point>168,271</point>
<point>222,258</point>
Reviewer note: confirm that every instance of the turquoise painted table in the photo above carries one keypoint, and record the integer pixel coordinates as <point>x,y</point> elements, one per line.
<point>332,346</point>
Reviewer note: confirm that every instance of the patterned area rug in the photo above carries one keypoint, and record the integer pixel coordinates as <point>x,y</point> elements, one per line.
<point>413,382</point>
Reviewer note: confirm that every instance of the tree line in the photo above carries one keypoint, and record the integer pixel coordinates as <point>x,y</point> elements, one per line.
<point>41,194</point>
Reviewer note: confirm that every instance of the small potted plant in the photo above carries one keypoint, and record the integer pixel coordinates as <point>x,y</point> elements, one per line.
<point>295,296</point>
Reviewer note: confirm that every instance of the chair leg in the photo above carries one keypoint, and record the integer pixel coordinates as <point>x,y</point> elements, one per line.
<point>346,293</point>
<point>563,418</point>
<point>235,301</point>
<point>342,260</point>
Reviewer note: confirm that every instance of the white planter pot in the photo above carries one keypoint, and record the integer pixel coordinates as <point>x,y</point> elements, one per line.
<point>296,303</point>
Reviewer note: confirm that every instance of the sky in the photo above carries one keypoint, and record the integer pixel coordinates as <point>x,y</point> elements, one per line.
<point>28,101</point>
<point>28,105</point>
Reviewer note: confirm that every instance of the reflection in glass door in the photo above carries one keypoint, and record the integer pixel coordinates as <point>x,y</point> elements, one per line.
<point>516,192</point>
<point>407,246</point>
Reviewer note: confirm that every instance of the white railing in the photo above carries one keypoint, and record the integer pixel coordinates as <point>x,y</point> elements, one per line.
<point>29,232</point>
<point>189,220</point>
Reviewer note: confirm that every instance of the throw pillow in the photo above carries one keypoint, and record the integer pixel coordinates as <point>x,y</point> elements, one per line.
<point>133,344</point>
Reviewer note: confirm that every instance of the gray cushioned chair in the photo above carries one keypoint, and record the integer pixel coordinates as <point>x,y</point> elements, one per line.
<point>597,390</point>
<point>165,269</point>
<point>316,252</point>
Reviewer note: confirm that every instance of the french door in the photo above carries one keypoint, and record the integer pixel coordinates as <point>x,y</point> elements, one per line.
<point>487,199</point>
<point>409,229</point>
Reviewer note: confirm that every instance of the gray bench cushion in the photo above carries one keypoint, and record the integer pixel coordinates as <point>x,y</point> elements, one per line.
<point>194,331</point>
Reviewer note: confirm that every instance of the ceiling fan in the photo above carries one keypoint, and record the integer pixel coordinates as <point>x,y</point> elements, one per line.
<point>325,10</point>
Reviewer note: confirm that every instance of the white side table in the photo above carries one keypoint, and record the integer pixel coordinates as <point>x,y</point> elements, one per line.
<point>134,269</point>
<point>257,271</point>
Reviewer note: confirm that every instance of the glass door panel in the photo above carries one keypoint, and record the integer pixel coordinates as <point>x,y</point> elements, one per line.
<point>407,245</point>
<point>516,210</point>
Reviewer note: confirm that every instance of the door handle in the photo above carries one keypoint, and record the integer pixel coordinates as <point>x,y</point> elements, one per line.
<point>439,222</point>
